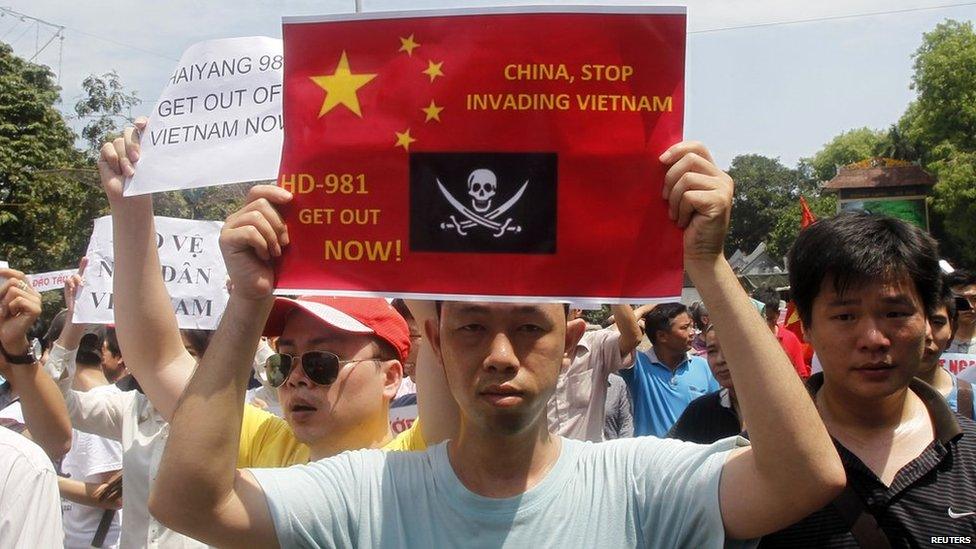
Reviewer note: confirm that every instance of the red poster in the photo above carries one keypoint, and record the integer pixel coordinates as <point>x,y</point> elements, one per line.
<point>483,153</point>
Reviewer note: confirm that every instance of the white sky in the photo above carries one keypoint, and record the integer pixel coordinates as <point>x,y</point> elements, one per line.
<point>781,91</point>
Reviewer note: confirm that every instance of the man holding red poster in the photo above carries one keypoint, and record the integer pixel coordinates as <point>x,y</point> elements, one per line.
<point>454,155</point>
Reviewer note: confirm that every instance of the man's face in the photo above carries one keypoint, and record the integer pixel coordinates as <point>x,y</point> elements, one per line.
<point>937,337</point>
<point>967,318</point>
<point>112,366</point>
<point>716,360</point>
<point>679,335</point>
<point>869,339</point>
<point>357,396</point>
<point>500,360</point>
<point>416,338</point>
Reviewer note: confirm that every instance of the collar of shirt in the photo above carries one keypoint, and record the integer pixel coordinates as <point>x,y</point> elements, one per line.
<point>656,361</point>
<point>947,432</point>
<point>725,398</point>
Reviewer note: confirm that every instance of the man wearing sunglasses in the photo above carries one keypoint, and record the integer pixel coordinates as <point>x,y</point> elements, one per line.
<point>338,367</point>
<point>504,479</point>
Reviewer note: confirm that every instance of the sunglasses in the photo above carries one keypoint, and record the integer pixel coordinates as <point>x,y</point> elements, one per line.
<point>322,367</point>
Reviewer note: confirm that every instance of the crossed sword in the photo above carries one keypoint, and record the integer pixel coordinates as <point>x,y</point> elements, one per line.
<point>485,220</point>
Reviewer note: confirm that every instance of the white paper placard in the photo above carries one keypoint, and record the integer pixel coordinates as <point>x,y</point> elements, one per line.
<point>192,269</point>
<point>218,121</point>
<point>54,280</point>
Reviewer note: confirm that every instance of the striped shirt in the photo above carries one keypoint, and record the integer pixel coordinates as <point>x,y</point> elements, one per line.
<point>918,508</point>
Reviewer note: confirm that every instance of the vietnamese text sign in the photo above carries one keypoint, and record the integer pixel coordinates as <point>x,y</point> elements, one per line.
<point>54,280</point>
<point>956,363</point>
<point>218,120</point>
<point>192,269</point>
<point>483,153</point>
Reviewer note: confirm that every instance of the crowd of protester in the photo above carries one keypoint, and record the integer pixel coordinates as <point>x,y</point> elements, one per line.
<point>670,426</point>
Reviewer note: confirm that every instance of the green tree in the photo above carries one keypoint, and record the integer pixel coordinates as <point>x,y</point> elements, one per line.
<point>764,189</point>
<point>46,200</point>
<point>847,148</point>
<point>941,124</point>
<point>107,108</point>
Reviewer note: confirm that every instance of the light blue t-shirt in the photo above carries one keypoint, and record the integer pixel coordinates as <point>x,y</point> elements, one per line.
<point>953,397</point>
<point>660,395</point>
<point>623,493</point>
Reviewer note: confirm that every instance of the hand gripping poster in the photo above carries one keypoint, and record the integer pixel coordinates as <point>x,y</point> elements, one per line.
<point>483,154</point>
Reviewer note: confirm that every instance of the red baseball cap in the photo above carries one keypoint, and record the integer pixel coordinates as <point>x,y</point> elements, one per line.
<point>348,314</point>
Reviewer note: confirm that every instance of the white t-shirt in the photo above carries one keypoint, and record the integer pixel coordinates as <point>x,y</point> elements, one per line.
<point>14,412</point>
<point>89,457</point>
<point>30,509</point>
<point>644,492</point>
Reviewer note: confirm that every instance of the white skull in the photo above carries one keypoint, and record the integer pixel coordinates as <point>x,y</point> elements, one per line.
<point>481,187</point>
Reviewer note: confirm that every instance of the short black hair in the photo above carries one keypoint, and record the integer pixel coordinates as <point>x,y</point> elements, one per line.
<point>852,248</point>
<point>439,303</point>
<point>948,300</point>
<point>660,317</point>
<point>960,277</point>
<point>112,341</point>
<point>698,313</point>
<point>767,296</point>
<point>199,340</point>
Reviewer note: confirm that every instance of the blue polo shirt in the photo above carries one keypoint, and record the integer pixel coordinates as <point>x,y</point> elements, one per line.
<point>660,394</point>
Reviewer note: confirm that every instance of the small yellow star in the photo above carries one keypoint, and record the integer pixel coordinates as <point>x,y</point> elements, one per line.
<point>404,140</point>
<point>408,45</point>
<point>432,111</point>
<point>341,86</point>
<point>433,70</point>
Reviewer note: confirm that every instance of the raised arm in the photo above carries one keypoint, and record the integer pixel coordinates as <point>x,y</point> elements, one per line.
<point>438,412</point>
<point>45,413</point>
<point>792,468</point>
<point>97,413</point>
<point>210,499</point>
<point>630,332</point>
<point>142,305</point>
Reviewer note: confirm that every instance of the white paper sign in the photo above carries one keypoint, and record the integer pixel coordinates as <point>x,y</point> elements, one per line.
<point>218,121</point>
<point>956,362</point>
<point>192,269</point>
<point>54,280</point>
<point>402,417</point>
<point>3,265</point>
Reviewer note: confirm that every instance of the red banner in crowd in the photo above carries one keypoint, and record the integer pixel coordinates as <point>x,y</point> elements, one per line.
<point>483,153</point>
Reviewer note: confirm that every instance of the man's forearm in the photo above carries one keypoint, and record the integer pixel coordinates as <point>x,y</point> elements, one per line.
<point>789,440</point>
<point>45,413</point>
<point>435,405</point>
<point>84,493</point>
<point>630,332</point>
<point>142,306</point>
<point>207,422</point>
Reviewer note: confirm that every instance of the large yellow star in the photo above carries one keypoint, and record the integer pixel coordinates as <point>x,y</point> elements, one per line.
<point>433,70</point>
<point>341,86</point>
<point>432,111</point>
<point>408,45</point>
<point>404,140</point>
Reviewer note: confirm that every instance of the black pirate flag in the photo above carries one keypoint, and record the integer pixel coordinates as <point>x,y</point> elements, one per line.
<point>483,202</point>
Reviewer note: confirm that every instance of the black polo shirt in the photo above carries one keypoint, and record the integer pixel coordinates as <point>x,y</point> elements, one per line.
<point>914,510</point>
<point>705,420</point>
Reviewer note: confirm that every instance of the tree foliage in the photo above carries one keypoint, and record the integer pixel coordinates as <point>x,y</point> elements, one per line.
<point>107,107</point>
<point>847,148</point>
<point>941,124</point>
<point>764,190</point>
<point>46,200</point>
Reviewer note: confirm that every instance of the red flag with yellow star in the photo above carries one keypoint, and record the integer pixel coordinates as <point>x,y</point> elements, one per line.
<point>483,153</point>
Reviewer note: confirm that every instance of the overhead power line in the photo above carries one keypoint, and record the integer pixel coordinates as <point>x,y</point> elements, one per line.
<point>831,18</point>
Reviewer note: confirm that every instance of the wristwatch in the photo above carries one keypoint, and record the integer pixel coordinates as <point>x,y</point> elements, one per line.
<point>30,357</point>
